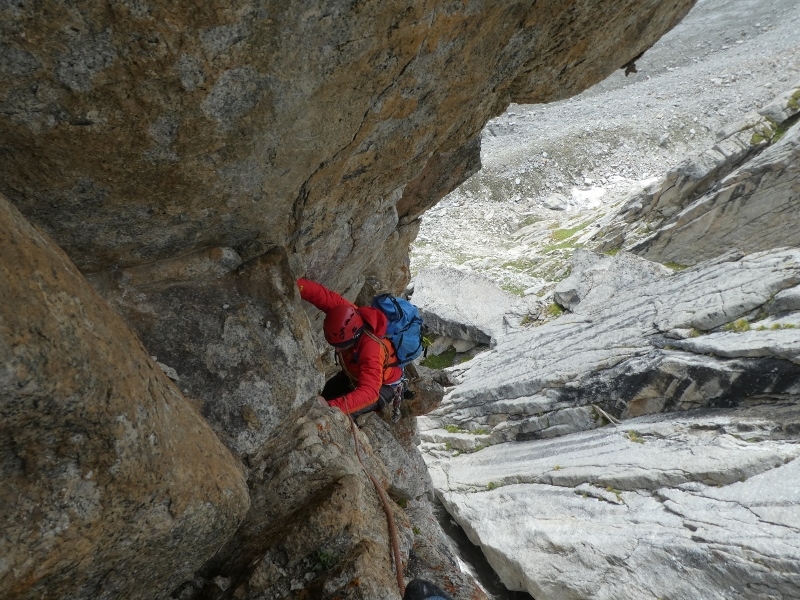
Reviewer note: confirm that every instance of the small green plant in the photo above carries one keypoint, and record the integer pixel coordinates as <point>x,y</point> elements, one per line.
<point>526,321</point>
<point>635,437</point>
<point>612,252</point>
<point>556,467</point>
<point>324,560</point>
<point>675,266</point>
<point>794,101</point>
<point>480,447</point>
<point>777,326</point>
<point>554,310</point>
<point>529,221</point>
<point>695,333</point>
<point>614,491</point>
<point>492,486</point>
<point>480,431</point>
<point>441,361</point>
<point>453,429</point>
<point>416,530</point>
<point>560,235</point>
<point>402,502</point>
<point>561,246</point>
<point>738,326</point>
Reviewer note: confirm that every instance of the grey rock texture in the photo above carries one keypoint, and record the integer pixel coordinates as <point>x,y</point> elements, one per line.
<point>601,277</point>
<point>741,193</point>
<point>701,505</point>
<point>113,485</point>
<point>229,330</point>
<point>465,306</point>
<point>315,528</point>
<point>753,209</point>
<point>623,354</point>
<point>667,503</point>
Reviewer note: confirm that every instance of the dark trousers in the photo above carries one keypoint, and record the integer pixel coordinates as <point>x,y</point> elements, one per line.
<point>340,384</point>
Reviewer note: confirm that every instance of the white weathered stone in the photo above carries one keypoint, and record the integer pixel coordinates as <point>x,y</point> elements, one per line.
<point>601,277</point>
<point>613,352</point>
<point>755,208</point>
<point>463,305</point>
<point>686,506</point>
<point>556,202</point>
<point>786,300</point>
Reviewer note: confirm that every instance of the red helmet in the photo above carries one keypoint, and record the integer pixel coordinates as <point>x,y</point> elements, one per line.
<point>342,325</point>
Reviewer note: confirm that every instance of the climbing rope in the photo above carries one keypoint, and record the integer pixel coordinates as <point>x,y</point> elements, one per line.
<point>387,508</point>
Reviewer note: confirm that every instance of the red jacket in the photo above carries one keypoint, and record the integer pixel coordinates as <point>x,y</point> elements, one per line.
<point>365,362</point>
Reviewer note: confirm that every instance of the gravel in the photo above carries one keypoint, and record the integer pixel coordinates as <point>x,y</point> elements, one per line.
<point>551,170</point>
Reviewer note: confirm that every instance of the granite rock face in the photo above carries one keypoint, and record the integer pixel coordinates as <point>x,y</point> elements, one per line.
<point>234,333</point>
<point>667,502</point>
<point>137,132</point>
<point>602,277</point>
<point>113,485</point>
<point>754,208</point>
<point>682,506</point>
<point>741,193</point>
<point>622,352</point>
<point>316,528</point>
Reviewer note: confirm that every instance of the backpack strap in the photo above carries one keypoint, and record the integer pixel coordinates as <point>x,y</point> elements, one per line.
<point>381,343</point>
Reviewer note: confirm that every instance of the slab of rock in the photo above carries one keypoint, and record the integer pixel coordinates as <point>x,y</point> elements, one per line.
<point>693,188</point>
<point>754,208</point>
<point>682,506</point>
<point>600,278</point>
<point>464,305</point>
<point>113,485</point>
<point>542,381</point>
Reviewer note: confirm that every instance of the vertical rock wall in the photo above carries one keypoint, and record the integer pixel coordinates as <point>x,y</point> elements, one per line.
<point>112,484</point>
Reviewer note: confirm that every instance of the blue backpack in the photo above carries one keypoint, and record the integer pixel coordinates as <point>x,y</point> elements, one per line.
<point>404,329</point>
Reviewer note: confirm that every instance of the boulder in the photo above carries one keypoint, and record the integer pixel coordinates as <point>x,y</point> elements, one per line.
<point>316,527</point>
<point>462,305</point>
<point>113,484</point>
<point>689,505</point>
<point>597,278</point>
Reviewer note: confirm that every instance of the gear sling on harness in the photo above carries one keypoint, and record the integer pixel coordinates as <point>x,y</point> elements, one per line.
<point>388,393</point>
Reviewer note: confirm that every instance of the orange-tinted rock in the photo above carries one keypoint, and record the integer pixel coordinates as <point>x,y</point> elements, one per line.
<point>112,484</point>
<point>138,131</point>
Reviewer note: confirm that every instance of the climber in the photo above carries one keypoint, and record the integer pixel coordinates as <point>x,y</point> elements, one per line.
<point>366,381</point>
<point>419,589</point>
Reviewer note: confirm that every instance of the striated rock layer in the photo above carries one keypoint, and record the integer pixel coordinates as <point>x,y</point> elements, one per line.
<point>668,502</point>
